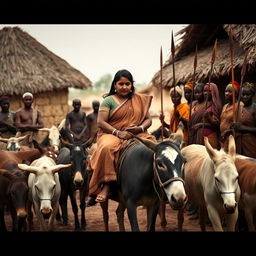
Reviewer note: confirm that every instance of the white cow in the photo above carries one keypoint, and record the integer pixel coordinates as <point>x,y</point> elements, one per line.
<point>13,143</point>
<point>44,190</point>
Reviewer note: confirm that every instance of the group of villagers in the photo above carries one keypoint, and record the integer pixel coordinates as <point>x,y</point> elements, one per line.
<point>124,113</point>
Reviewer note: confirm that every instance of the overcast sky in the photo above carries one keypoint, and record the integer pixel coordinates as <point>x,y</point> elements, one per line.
<point>96,50</point>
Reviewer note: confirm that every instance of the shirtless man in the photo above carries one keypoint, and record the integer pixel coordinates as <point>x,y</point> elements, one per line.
<point>7,118</point>
<point>28,120</point>
<point>92,118</point>
<point>76,123</point>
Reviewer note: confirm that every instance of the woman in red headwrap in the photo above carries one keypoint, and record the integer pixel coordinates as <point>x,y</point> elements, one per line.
<point>226,118</point>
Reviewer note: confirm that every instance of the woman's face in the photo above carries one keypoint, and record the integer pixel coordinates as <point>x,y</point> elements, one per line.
<point>176,98</point>
<point>198,93</point>
<point>187,94</point>
<point>123,87</point>
<point>207,92</point>
<point>228,94</point>
<point>247,96</point>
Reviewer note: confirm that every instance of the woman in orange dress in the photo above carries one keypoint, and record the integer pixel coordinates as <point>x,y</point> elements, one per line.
<point>179,113</point>
<point>122,114</point>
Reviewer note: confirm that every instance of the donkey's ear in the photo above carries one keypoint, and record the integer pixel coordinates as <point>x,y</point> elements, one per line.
<point>211,152</point>
<point>232,147</point>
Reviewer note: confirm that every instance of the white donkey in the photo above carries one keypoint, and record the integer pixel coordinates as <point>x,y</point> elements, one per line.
<point>211,181</point>
<point>44,190</point>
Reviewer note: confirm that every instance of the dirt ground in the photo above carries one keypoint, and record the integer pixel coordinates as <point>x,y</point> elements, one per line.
<point>95,220</point>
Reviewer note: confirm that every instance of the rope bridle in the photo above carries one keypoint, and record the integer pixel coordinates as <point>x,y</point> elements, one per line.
<point>225,192</point>
<point>157,181</point>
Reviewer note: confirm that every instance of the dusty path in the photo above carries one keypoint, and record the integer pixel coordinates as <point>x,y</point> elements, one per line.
<point>95,220</point>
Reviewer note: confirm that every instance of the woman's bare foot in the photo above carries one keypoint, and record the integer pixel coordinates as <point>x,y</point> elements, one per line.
<point>103,195</point>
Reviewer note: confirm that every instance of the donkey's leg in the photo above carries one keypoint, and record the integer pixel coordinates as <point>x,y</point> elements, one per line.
<point>132,215</point>
<point>120,216</point>
<point>75,209</point>
<point>249,219</point>
<point>2,221</point>
<point>104,207</point>
<point>82,207</point>
<point>151,216</point>
<point>202,218</point>
<point>214,218</point>
<point>162,216</point>
<point>64,208</point>
<point>180,217</point>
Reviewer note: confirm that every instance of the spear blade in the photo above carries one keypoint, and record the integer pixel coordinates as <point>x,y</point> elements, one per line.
<point>214,52</point>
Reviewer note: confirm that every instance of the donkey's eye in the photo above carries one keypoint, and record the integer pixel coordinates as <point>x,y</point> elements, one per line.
<point>160,165</point>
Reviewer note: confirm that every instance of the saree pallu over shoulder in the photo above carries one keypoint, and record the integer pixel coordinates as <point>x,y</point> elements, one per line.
<point>103,161</point>
<point>132,112</point>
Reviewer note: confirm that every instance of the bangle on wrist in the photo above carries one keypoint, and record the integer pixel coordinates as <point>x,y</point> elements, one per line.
<point>114,131</point>
<point>142,128</point>
<point>117,132</point>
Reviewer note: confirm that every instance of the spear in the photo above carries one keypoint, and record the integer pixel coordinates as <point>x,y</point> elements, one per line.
<point>232,73</point>
<point>173,68</point>
<point>161,84</point>
<point>210,77</point>
<point>194,82</point>
<point>241,84</point>
<point>173,73</point>
<point>192,93</point>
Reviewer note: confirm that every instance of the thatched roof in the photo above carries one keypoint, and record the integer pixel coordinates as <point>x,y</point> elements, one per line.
<point>26,65</point>
<point>204,35</point>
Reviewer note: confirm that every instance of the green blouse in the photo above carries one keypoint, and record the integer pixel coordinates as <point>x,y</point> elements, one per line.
<point>109,104</point>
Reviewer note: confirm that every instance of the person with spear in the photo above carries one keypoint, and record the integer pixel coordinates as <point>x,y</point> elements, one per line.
<point>180,111</point>
<point>245,126</point>
<point>206,119</point>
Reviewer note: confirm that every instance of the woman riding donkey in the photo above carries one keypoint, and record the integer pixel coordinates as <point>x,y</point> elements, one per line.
<point>122,114</point>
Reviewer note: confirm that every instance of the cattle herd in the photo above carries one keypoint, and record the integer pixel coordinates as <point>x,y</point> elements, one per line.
<point>37,182</point>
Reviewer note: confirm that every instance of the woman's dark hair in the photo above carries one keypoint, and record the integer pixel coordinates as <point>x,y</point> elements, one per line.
<point>121,73</point>
<point>200,86</point>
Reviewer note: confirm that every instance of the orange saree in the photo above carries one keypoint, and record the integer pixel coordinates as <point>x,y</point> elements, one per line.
<point>183,110</point>
<point>131,113</point>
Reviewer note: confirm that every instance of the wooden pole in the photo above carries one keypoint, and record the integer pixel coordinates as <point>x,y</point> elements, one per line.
<point>210,77</point>
<point>232,74</point>
<point>161,84</point>
<point>241,85</point>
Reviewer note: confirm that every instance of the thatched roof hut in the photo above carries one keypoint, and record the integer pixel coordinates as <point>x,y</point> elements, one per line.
<point>27,65</point>
<point>204,35</point>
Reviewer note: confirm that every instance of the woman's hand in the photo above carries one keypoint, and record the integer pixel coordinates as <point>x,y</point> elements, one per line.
<point>125,135</point>
<point>134,129</point>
